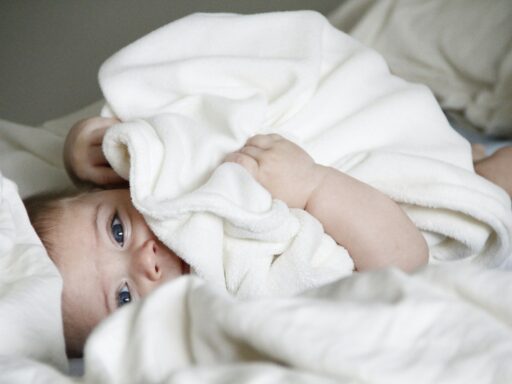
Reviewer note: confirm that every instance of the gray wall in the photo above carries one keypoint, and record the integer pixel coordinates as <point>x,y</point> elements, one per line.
<point>50,50</point>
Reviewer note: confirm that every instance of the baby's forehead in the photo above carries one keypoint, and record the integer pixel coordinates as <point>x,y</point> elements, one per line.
<point>88,203</point>
<point>78,203</point>
<point>79,208</point>
<point>91,198</point>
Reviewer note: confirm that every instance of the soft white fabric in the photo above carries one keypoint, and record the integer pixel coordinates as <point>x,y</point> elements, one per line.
<point>462,49</point>
<point>21,370</point>
<point>30,288</point>
<point>32,156</point>
<point>185,106</point>
<point>448,324</point>
<point>61,125</point>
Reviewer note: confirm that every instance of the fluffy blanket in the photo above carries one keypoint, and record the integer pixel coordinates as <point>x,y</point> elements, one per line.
<point>196,89</point>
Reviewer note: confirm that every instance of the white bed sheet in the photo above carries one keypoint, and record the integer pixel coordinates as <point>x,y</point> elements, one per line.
<point>446,324</point>
<point>30,289</point>
<point>461,49</point>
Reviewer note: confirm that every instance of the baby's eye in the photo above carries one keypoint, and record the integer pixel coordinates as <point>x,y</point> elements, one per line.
<point>124,296</point>
<point>117,230</point>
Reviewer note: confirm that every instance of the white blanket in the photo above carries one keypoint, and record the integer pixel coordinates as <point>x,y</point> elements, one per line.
<point>448,324</point>
<point>196,89</point>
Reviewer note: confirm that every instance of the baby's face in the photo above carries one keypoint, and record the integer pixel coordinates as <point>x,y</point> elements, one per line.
<point>108,256</point>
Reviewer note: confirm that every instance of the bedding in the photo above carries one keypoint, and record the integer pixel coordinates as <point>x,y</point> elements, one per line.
<point>448,323</point>
<point>30,288</point>
<point>34,153</point>
<point>184,109</point>
<point>32,156</point>
<point>461,49</point>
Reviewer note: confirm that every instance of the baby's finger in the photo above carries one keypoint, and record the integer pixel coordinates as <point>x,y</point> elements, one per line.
<point>95,155</point>
<point>245,161</point>
<point>254,152</point>
<point>99,126</point>
<point>106,176</point>
<point>96,136</point>
<point>263,141</point>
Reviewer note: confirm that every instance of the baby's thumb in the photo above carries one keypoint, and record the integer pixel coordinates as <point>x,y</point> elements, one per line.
<point>104,176</point>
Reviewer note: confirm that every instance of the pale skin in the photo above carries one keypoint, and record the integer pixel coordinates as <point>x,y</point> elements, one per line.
<point>107,256</point>
<point>83,156</point>
<point>496,167</point>
<point>372,227</point>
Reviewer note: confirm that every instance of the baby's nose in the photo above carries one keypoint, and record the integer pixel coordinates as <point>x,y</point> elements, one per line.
<point>146,261</point>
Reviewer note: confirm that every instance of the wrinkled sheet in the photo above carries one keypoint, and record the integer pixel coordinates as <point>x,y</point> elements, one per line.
<point>461,49</point>
<point>32,158</point>
<point>30,288</point>
<point>447,324</point>
<point>185,106</point>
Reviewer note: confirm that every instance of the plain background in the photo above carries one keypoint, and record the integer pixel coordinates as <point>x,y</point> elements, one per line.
<point>51,49</point>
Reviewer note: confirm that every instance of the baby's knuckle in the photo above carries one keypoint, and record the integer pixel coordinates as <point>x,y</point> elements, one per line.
<point>240,159</point>
<point>101,178</point>
<point>254,140</point>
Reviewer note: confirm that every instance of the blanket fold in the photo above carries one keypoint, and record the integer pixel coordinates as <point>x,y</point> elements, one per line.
<point>444,324</point>
<point>198,88</point>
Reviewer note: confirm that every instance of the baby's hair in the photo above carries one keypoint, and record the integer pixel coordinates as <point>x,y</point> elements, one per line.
<point>45,211</point>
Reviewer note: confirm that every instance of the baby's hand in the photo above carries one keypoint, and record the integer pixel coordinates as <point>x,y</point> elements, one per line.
<point>282,167</point>
<point>83,156</point>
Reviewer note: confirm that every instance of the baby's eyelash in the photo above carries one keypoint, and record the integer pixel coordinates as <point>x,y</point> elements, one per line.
<point>117,229</point>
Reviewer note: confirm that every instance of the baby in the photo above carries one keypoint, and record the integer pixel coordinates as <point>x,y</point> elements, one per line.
<point>109,257</point>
